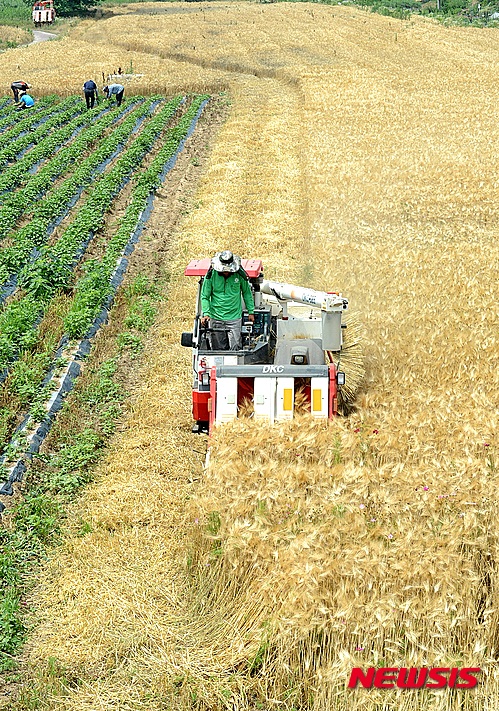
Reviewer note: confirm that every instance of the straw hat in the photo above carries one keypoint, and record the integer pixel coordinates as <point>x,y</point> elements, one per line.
<point>225,262</point>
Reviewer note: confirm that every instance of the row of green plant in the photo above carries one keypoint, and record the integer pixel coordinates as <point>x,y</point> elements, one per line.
<point>31,121</point>
<point>37,520</point>
<point>43,144</point>
<point>93,289</point>
<point>32,138</point>
<point>22,387</point>
<point>52,270</point>
<point>57,203</point>
<point>22,391</point>
<point>7,114</point>
<point>25,199</point>
<point>10,116</point>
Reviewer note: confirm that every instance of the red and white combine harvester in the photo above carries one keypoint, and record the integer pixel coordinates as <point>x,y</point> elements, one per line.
<point>293,344</point>
<point>43,12</point>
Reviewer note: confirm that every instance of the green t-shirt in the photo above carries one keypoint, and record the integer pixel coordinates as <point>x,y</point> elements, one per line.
<point>221,296</point>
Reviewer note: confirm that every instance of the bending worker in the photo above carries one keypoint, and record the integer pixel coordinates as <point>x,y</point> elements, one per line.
<point>224,284</point>
<point>91,93</point>
<point>25,101</point>
<point>18,86</point>
<point>117,90</point>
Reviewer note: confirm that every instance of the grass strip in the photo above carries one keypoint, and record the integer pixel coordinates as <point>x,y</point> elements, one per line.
<point>35,523</point>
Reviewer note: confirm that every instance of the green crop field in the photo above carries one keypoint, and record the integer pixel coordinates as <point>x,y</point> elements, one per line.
<point>14,12</point>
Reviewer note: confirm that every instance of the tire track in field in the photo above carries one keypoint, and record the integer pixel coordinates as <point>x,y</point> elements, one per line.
<point>286,81</point>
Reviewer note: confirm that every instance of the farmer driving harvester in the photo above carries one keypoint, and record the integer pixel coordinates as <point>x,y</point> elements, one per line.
<point>224,284</point>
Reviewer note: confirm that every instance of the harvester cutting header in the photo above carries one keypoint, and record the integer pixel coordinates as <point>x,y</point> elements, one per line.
<point>289,338</point>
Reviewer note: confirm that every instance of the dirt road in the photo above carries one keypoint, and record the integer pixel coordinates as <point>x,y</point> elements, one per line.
<point>39,36</point>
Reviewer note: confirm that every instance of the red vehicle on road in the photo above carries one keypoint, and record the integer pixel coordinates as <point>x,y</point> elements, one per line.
<point>43,12</point>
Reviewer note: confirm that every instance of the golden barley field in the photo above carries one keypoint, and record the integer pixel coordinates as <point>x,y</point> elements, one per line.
<point>13,34</point>
<point>360,154</point>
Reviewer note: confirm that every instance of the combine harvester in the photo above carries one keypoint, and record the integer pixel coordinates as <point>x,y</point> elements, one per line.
<point>43,13</point>
<point>294,345</point>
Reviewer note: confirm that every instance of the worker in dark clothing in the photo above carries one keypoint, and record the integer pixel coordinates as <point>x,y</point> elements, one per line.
<point>18,86</point>
<point>91,93</point>
<point>223,286</point>
<point>116,90</point>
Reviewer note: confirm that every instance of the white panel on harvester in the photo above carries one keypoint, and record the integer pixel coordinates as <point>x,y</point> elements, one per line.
<point>226,399</point>
<point>264,399</point>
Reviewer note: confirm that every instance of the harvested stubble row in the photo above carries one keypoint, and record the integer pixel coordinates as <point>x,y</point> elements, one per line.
<point>367,163</point>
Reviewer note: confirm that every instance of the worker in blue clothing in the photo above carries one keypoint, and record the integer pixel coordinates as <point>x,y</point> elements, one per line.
<point>114,90</point>
<point>91,93</point>
<point>25,101</point>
